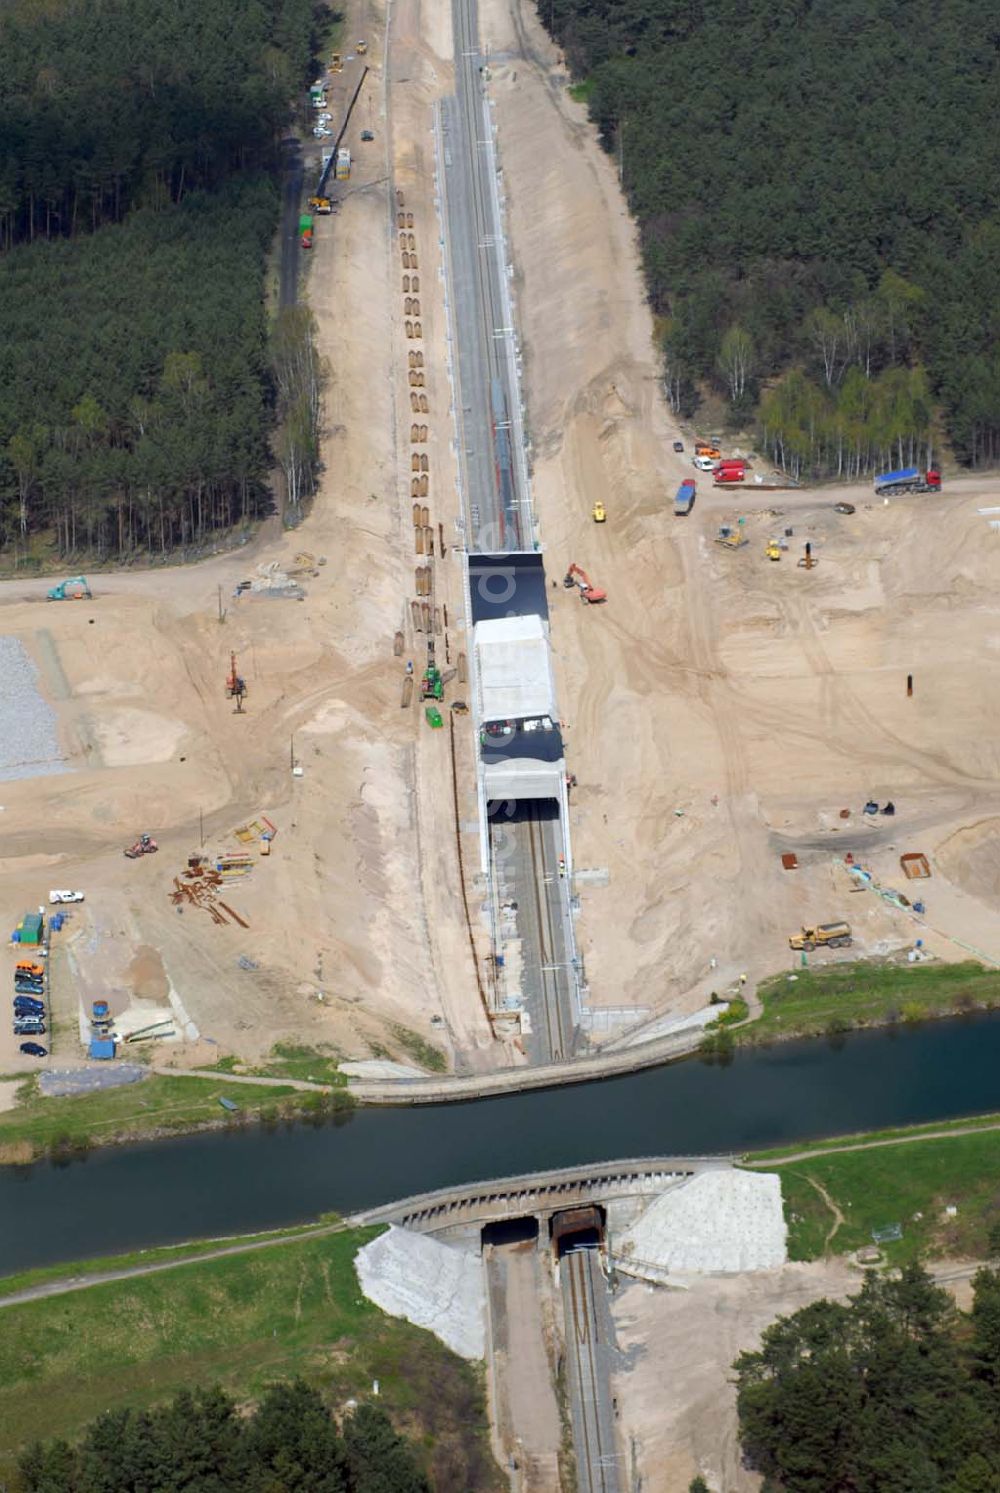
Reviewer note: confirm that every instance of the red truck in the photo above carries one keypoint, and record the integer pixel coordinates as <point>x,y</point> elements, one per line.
<point>733,470</point>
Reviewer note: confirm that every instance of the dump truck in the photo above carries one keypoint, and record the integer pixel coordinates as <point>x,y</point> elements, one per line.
<point>908,479</point>
<point>684,498</point>
<point>75,589</point>
<point>343,164</point>
<point>823,936</point>
<point>317,96</point>
<point>306,230</point>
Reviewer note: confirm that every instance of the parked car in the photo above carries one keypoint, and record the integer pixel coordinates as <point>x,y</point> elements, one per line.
<point>29,1028</point>
<point>23,1006</point>
<point>55,897</point>
<point>367,134</point>
<point>34,1050</point>
<point>678,445</point>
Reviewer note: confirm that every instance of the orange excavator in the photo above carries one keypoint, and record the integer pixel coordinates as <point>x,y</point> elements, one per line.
<point>588,592</point>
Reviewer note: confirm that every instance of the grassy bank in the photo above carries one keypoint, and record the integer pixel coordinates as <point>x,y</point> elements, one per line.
<point>835,1199</point>
<point>241,1321</point>
<point>138,1259</point>
<point>838,997</point>
<point>289,1060</point>
<point>160,1104</point>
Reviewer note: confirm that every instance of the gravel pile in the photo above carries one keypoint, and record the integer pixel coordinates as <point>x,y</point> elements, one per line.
<point>55,1081</point>
<point>429,1284</point>
<point>719,1222</point>
<point>29,743</point>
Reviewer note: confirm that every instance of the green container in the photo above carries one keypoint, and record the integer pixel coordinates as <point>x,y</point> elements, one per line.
<point>31,928</point>
<point>305,223</point>
<point>433,716</point>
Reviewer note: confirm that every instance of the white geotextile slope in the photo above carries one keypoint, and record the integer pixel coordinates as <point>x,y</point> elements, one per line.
<point>720,1222</point>
<point>430,1284</point>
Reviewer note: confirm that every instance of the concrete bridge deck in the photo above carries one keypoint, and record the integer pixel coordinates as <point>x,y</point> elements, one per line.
<point>539,1193</point>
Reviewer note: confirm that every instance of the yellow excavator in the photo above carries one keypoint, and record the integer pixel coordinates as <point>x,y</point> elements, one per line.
<point>773,550</point>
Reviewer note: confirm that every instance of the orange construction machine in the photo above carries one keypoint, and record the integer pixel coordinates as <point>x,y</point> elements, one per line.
<point>588,592</point>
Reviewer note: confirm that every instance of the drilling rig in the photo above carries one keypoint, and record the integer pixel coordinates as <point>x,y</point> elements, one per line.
<point>236,686</point>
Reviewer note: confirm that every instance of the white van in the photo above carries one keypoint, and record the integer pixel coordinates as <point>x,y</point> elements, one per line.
<point>704,463</point>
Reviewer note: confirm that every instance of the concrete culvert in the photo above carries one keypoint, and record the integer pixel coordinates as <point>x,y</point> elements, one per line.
<point>406,283</point>
<point>415,282</point>
<point>510,1231</point>
<point>417,329</point>
<point>577,1227</point>
<point>415,403</point>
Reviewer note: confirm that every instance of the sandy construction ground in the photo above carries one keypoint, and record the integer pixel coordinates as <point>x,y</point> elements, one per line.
<point>357,937</point>
<point>676,1390</point>
<point>720,709</point>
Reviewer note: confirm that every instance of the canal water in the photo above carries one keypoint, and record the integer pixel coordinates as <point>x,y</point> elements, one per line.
<point>217,1183</point>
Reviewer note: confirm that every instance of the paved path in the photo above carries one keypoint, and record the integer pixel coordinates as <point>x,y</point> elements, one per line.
<point>248,1078</point>
<point>102,1277</point>
<point>870,1145</point>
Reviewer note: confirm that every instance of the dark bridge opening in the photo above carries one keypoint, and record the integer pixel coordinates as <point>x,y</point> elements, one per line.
<point>510,1231</point>
<point>577,1228</point>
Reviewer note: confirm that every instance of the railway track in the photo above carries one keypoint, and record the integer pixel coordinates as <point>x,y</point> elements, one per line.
<point>593,1419</point>
<point>549,983</point>
<point>498,525</point>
